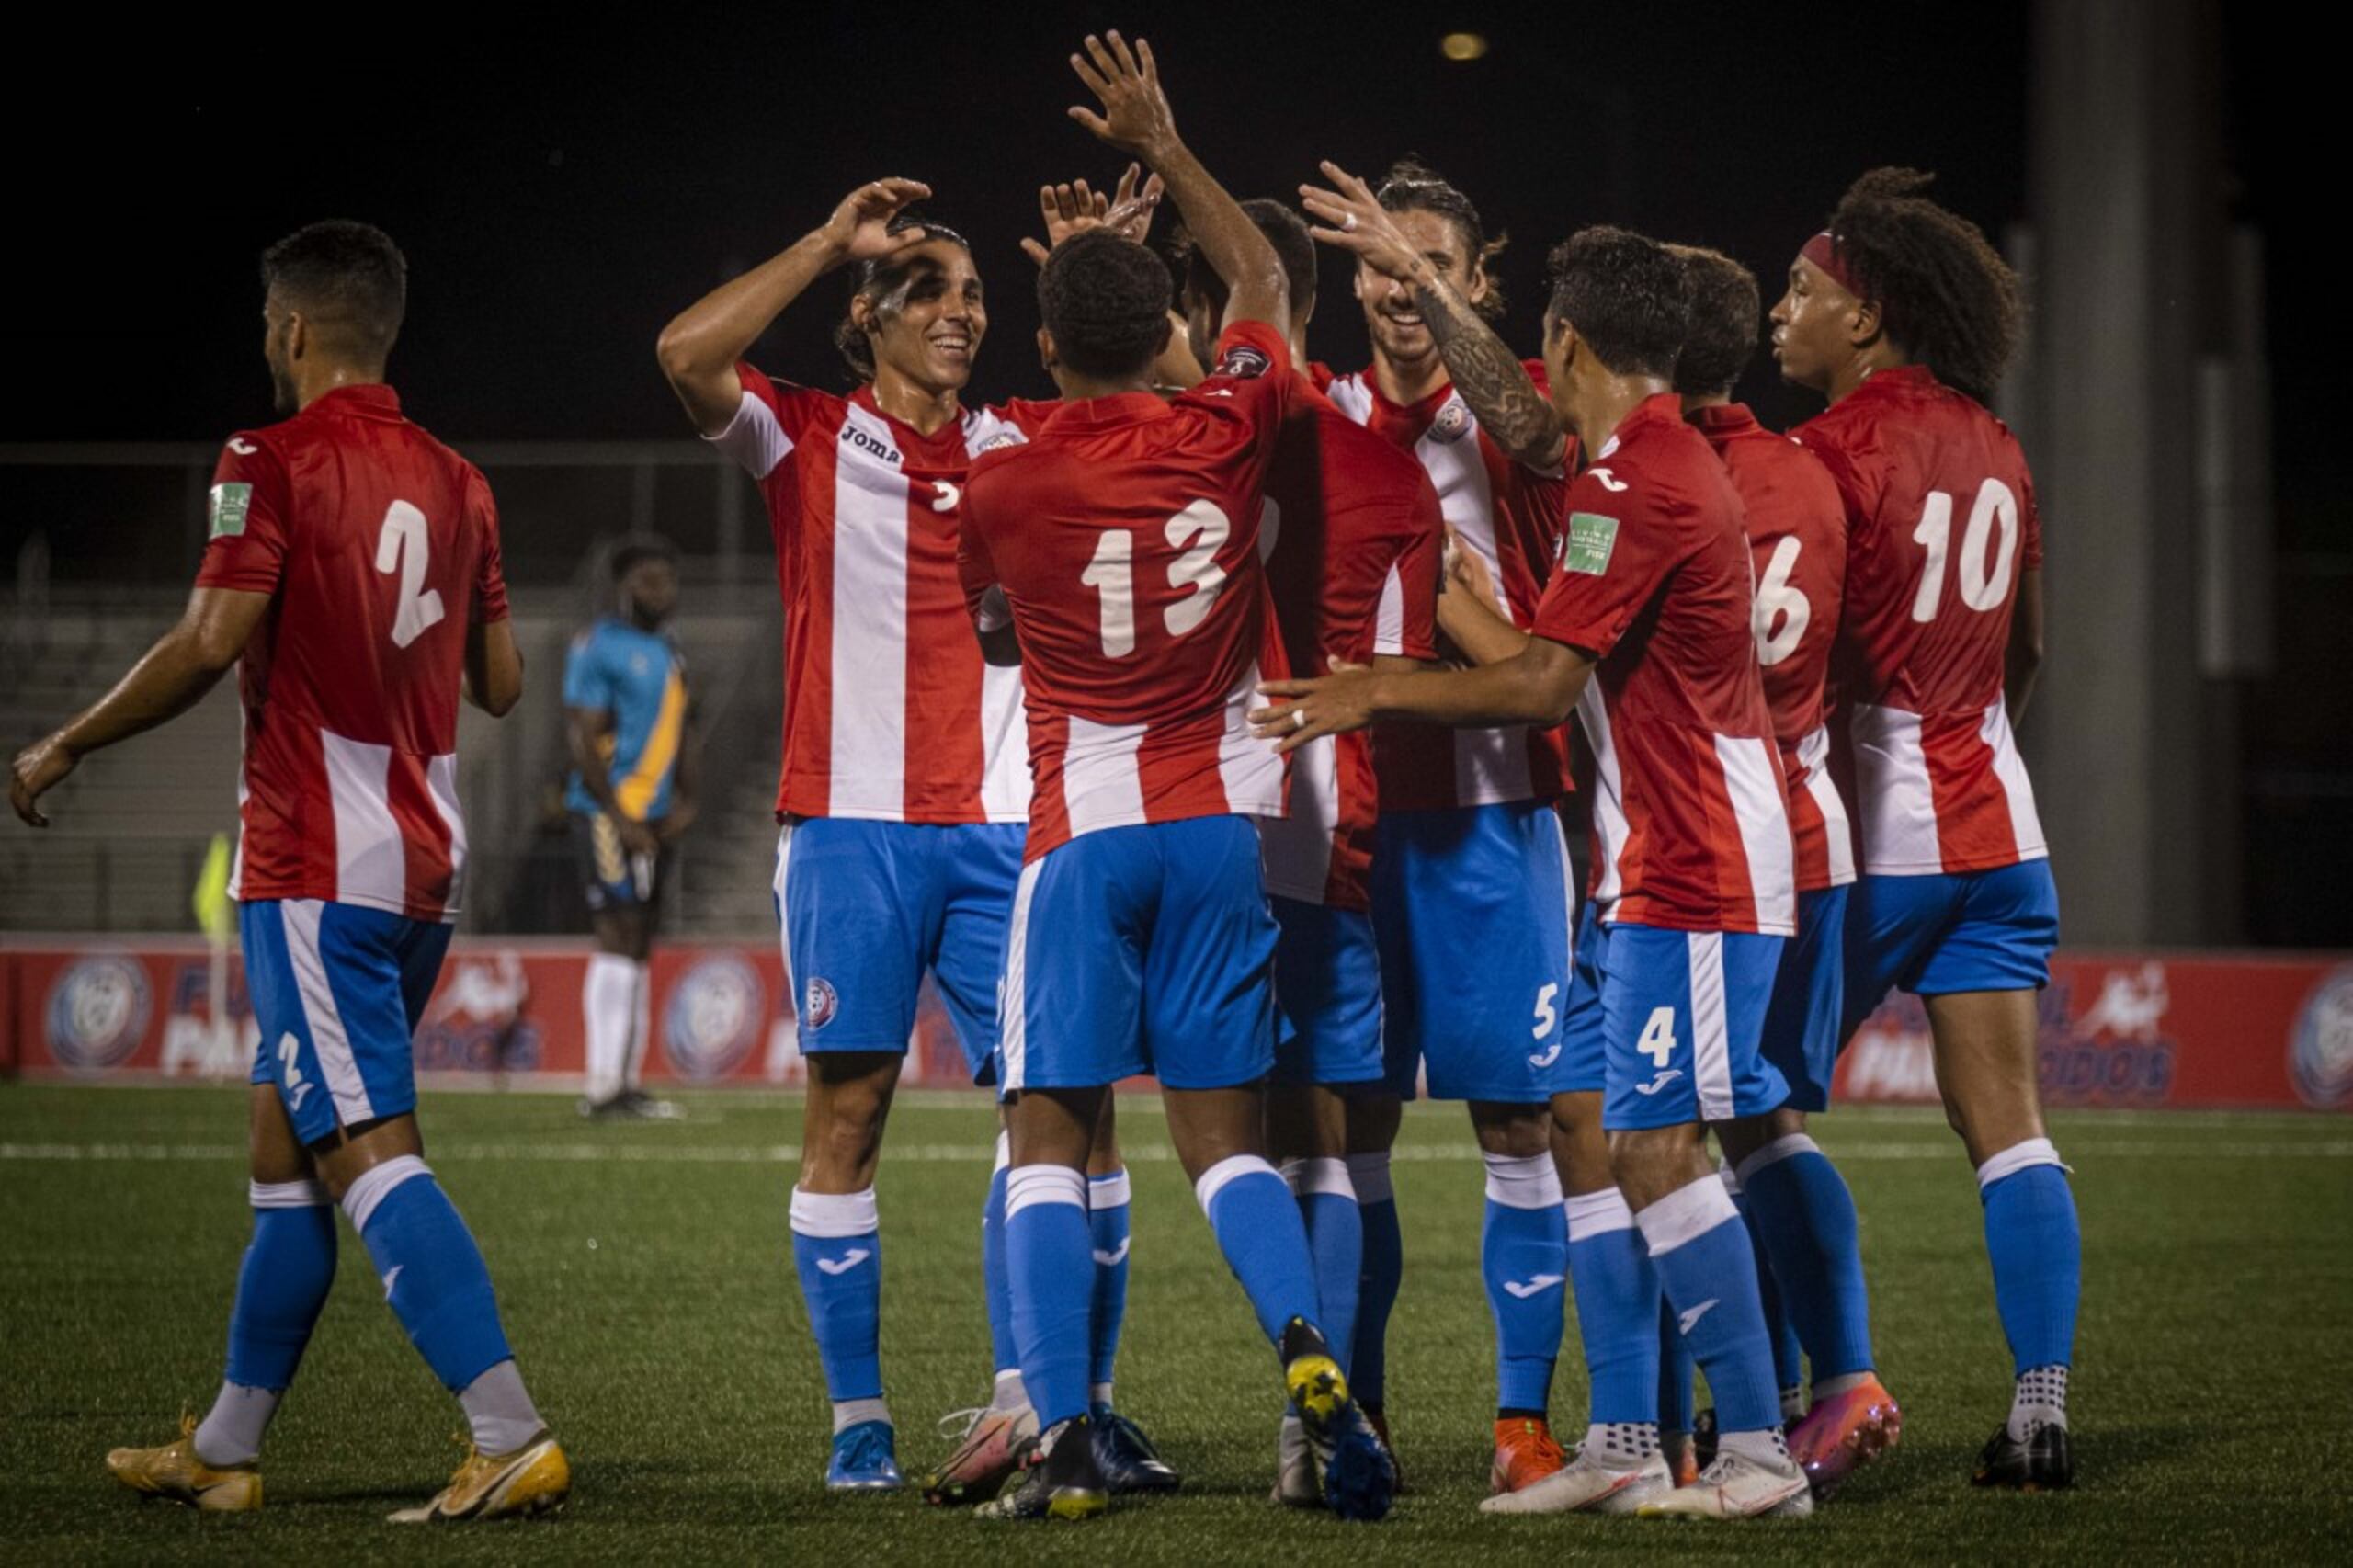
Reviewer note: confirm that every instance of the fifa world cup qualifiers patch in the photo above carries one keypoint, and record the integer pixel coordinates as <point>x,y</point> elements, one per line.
<point>1591,538</point>
<point>230,504</point>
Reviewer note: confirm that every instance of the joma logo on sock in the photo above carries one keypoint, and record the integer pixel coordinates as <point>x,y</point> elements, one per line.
<point>844,1263</point>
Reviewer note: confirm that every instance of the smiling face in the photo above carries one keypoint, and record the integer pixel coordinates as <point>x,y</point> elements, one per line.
<point>1392,318</point>
<point>926,326</point>
<point>1814,326</point>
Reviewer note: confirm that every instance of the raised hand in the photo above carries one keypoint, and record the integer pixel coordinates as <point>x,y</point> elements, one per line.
<point>859,227</point>
<point>1075,208</point>
<point>1135,117</point>
<point>1353,220</point>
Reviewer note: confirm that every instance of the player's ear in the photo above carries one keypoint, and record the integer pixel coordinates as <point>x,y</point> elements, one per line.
<point>1476,294</point>
<point>1046,350</point>
<point>1865,325</point>
<point>297,335</point>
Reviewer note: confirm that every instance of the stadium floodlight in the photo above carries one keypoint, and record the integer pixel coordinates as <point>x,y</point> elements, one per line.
<point>1463,47</point>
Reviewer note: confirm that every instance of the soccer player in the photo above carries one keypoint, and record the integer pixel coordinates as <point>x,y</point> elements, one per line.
<point>1470,854</point>
<point>631,721</point>
<point>1902,317</point>
<point>353,569</point>
<point>1792,1197</point>
<point>904,792</point>
<point>1351,537</point>
<point>1645,629</point>
<point>1119,549</point>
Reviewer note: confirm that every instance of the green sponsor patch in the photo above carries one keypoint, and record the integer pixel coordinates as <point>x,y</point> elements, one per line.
<point>1591,538</point>
<point>229,503</point>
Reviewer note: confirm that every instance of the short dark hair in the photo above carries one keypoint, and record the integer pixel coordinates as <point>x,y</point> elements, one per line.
<point>346,278</point>
<point>1626,295</point>
<point>1946,296</point>
<point>1726,311</point>
<point>1412,185</point>
<point>1285,229</point>
<point>1106,300</point>
<point>636,548</point>
<point>875,277</point>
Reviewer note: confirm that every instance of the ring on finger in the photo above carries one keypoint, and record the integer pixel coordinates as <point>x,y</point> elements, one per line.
<point>1298,718</point>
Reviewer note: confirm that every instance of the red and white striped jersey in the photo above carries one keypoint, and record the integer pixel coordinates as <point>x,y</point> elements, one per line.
<point>1125,538</point>
<point>1797,540</point>
<point>1352,540</point>
<point>1690,817</point>
<point>889,712</point>
<point>1510,515</point>
<point>379,547</point>
<point>1941,521</point>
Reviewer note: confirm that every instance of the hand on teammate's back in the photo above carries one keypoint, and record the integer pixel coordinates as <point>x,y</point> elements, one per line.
<point>1135,117</point>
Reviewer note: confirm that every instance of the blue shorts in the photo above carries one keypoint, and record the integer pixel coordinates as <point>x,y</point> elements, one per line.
<point>1681,1015</point>
<point>866,907</point>
<point>1802,1036</point>
<point>1472,908</point>
<point>338,991</point>
<point>1583,1067</point>
<point>1937,936</point>
<point>1146,948</point>
<point>1327,990</point>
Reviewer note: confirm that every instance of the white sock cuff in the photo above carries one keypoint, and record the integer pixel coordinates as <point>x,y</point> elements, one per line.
<point>287,1194</point>
<point>1113,1192</point>
<point>830,1216</point>
<point>1026,1186</point>
<point>1369,1175</point>
<point>1778,1149</point>
<point>1523,1181</point>
<point>1328,1177</point>
<point>1004,1151</point>
<point>2016,1158</point>
<point>1227,1171</point>
<point>1598,1213</point>
<point>360,1199</point>
<point>1686,1214</point>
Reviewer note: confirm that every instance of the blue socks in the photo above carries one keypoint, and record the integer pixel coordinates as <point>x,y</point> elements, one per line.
<point>1046,1248</point>
<point>1258,1228</point>
<point>1382,1272</point>
<point>1107,1229</point>
<point>2037,1251</point>
<point>1328,1206</point>
<point>1804,1221</point>
<point>1676,1407</point>
<point>1707,1267</point>
<point>432,1272</point>
<point>1617,1309</point>
<point>837,1251</point>
<point>288,1270</point>
<point>1004,1350</point>
<point>1523,1255</point>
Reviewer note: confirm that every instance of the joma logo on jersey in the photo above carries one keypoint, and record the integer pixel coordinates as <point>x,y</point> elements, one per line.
<point>859,438</point>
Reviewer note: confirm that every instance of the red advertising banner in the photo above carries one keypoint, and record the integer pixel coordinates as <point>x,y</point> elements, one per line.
<point>2132,1030</point>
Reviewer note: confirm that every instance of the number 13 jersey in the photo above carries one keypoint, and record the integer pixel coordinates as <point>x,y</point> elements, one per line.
<point>379,547</point>
<point>1941,521</point>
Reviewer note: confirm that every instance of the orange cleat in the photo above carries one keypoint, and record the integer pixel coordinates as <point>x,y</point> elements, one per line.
<point>1524,1453</point>
<point>1844,1432</point>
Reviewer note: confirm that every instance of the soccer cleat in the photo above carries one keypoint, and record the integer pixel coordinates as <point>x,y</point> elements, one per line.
<point>1059,1481</point>
<point>1844,1432</point>
<point>2044,1461</point>
<point>865,1459</point>
<point>1526,1452</point>
<point>1736,1488</point>
<point>532,1480</point>
<point>173,1472</point>
<point>1586,1485</point>
<point>988,1455</point>
<point>639,1106</point>
<point>1297,1484</point>
<point>1380,1423</point>
<point>1126,1458</point>
<point>1360,1478</point>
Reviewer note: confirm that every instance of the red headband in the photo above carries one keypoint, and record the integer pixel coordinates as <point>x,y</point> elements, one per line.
<point>1823,251</point>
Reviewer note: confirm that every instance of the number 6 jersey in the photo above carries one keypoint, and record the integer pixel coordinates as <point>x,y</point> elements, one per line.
<point>379,547</point>
<point>1941,521</point>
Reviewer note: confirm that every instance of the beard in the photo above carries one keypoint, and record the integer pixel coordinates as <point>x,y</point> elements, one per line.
<point>281,388</point>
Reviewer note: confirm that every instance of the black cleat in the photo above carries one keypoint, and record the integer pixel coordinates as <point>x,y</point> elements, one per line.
<point>2044,1462</point>
<point>1126,1458</point>
<point>1059,1479</point>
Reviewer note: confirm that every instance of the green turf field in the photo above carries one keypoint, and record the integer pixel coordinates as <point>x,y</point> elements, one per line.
<point>648,1290</point>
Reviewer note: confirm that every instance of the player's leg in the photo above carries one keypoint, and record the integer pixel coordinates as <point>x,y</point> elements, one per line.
<point>1125,1455</point>
<point>1373,1116</point>
<point>653,874</point>
<point>608,986</point>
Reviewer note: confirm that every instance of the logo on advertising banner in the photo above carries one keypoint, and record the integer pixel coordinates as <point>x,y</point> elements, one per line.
<point>97,1012</point>
<point>2117,1052</point>
<point>480,1021</point>
<point>1891,1057</point>
<point>2320,1051</point>
<point>717,1012</point>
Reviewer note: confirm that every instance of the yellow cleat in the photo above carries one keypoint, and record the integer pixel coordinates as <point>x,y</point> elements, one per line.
<point>532,1480</point>
<point>174,1471</point>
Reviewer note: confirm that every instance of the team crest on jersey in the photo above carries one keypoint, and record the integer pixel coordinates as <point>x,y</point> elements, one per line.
<point>97,1013</point>
<point>1244,363</point>
<point>1590,542</point>
<point>996,441</point>
<point>2320,1053</point>
<point>716,1013</point>
<point>1453,422</point>
<point>819,1003</point>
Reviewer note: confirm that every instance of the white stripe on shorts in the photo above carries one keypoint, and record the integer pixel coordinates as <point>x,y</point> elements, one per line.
<point>1012,987</point>
<point>336,1064</point>
<point>1710,1047</point>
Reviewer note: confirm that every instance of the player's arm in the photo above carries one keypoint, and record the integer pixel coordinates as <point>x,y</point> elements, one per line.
<point>1539,684</point>
<point>181,667</point>
<point>493,669</point>
<point>1515,415</point>
<point>2022,661</point>
<point>700,346</point>
<point>1135,118</point>
<point>583,728</point>
<point>686,780</point>
<point>1466,607</point>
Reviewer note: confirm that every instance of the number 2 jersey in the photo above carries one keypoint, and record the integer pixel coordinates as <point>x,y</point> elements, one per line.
<point>379,548</point>
<point>1941,521</point>
<point>1125,538</point>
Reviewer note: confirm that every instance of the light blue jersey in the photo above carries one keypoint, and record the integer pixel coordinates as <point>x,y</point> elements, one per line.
<point>639,679</point>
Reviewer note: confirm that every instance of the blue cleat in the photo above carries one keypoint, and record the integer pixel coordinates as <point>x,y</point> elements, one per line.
<point>865,1459</point>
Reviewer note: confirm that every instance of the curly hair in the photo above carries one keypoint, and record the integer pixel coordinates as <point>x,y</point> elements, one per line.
<point>1285,229</point>
<point>347,276</point>
<point>1726,311</point>
<point>1627,296</point>
<point>1412,185</point>
<point>874,280</point>
<point>1106,300</point>
<point>1946,296</point>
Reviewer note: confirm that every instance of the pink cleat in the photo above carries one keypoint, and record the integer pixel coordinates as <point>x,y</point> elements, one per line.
<point>1844,1432</point>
